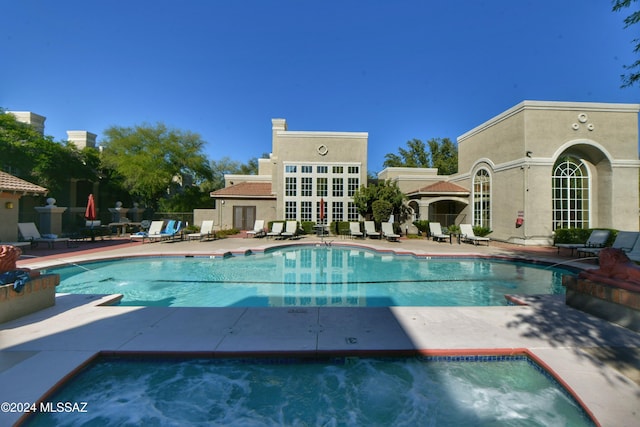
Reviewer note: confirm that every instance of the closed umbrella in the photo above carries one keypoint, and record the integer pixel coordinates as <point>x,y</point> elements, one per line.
<point>90,214</point>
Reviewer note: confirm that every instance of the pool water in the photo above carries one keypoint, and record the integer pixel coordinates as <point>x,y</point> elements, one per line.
<point>310,276</point>
<point>467,391</point>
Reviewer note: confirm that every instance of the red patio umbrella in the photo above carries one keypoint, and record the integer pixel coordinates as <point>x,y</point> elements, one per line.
<point>322,210</point>
<point>90,212</point>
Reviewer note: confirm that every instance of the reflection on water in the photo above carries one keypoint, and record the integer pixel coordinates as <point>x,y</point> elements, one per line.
<point>311,276</point>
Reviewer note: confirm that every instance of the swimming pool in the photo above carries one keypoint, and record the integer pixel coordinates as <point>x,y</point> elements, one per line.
<point>310,276</point>
<point>469,390</point>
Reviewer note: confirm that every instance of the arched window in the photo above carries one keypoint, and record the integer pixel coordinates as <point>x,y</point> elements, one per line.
<point>570,194</point>
<point>482,198</point>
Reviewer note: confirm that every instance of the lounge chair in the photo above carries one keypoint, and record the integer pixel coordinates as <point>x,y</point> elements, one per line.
<point>370,230</point>
<point>258,229</point>
<point>354,230</point>
<point>206,231</point>
<point>276,229</point>
<point>634,253</point>
<point>171,231</point>
<point>387,232</point>
<point>467,235</point>
<point>625,240</point>
<point>152,234</point>
<point>291,230</point>
<point>30,233</point>
<point>435,229</point>
<point>597,239</point>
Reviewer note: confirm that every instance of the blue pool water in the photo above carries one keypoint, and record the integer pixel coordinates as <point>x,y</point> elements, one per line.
<point>486,391</point>
<point>310,276</point>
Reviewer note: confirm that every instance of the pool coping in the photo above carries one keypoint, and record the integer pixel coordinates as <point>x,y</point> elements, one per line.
<point>609,396</point>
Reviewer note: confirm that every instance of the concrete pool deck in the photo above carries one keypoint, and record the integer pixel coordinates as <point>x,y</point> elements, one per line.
<point>38,350</point>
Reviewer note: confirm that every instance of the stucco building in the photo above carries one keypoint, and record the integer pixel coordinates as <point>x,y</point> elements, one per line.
<point>303,170</point>
<point>532,169</point>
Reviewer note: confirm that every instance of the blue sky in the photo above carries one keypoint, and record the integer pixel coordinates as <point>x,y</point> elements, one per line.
<point>223,69</point>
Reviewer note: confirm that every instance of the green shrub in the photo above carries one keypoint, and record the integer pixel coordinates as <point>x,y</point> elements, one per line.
<point>481,231</point>
<point>580,235</point>
<point>227,232</point>
<point>339,228</point>
<point>307,226</point>
<point>452,229</point>
<point>422,226</point>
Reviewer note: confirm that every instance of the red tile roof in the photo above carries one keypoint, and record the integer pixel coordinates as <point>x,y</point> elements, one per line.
<point>442,187</point>
<point>245,189</point>
<point>12,184</point>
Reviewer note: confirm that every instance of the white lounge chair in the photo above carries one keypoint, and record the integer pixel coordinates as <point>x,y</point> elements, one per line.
<point>370,230</point>
<point>467,235</point>
<point>291,230</point>
<point>258,229</point>
<point>435,229</point>
<point>625,240</point>
<point>152,234</point>
<point>30,233</point>
<point>276,229</point>
<point>597,239</point>
<point>387,232</point>
<point>354,230</point>
<point>206,231</point>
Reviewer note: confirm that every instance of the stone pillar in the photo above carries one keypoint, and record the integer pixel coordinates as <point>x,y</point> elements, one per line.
<point>50,217</point>
<point>135,213</point>
<point>118,212</point>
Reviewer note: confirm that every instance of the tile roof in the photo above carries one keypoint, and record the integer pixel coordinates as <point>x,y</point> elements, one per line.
<point>13,184</point>
<point>442,187</point>
<point>245,189</point>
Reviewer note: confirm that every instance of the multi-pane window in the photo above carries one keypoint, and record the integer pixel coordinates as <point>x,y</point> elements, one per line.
<point>306,213</point>
<point>352,212</point>
<point>290,186</point>
<point>306,184</point>
<point>321,187</point>
<point>352,186</point>
<point>290,210</point>
<point>570,194</point>
<point>337,211</point>
<point>482,198</point>
<point>306,187</point>
<point>338,187</point>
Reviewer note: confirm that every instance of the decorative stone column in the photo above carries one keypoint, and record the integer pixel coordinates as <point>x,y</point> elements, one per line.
<point>50,217</point>
<point>118,212</point>
<point>135,213</point>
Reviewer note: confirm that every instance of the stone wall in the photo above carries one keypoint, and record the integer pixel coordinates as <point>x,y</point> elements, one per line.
<point>37,294</point>
<point>617,305</point>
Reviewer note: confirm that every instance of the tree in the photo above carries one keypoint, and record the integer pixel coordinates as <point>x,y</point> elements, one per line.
<point>444,155</point>
<point>441,154</point>
<point>27,154</point>
<point>226,166</point>
<point>387,191</point>
<point>633,75</point>
<point>149,159</point>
